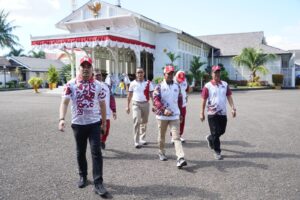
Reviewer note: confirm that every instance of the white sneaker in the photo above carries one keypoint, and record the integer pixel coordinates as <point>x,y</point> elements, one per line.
<point>162,157</point>
<point>172,141</point>
<point>218,156</point>
<point>137,145</point>
<point>180,163</point>
<point>143,142</point>
<point>182,139</point>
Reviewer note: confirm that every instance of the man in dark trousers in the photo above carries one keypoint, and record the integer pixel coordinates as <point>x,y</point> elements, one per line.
<point>88,98</point>
<point>215,93</point>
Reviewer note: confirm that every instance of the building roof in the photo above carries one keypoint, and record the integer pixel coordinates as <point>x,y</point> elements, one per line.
<point>4,62</point>
<point>233,44</point>
<point>121,13</point>
<point>36,64</point>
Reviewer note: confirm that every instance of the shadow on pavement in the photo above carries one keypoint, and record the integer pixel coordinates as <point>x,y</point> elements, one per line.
<point>161,192</point>
<point>222,165</point>
<point>122,155</point>
<point>241,154</point>
<point>203,143</point>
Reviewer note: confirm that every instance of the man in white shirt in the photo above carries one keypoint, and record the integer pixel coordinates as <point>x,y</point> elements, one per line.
<point>88,113</point>
<point>168,102</point>
<point>140,91</point>
<point>215,93</point>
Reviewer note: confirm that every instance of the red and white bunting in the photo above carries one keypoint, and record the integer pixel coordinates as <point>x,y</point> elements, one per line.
<point>93,41</point>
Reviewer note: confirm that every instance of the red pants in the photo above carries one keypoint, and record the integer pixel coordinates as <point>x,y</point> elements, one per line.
<point>104,137</point>
<point>183,113</point>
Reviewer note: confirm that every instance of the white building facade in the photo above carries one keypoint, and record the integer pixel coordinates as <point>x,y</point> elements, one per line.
<point>120,40</point>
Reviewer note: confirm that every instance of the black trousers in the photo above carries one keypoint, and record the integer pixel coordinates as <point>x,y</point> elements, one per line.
<point>217,126</point>
<point>82,134</point>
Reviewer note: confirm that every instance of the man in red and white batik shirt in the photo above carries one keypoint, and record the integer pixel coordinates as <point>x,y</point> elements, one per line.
<point>168,102</point>
<point>216,93</point>
<point>88,98</point>
<point>140,91</point>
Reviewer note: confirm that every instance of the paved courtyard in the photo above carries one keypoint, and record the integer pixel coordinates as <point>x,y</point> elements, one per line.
<point>261,148</point>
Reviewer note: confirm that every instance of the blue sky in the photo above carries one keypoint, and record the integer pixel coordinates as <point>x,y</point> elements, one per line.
<point>279,19</point>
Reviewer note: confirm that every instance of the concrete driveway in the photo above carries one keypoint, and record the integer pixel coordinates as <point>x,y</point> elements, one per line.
<point>261,148</point>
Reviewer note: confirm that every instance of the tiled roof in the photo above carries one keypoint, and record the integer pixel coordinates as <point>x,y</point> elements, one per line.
<point>233,44</point>
<point>37,64</point>
<point>4,61</point>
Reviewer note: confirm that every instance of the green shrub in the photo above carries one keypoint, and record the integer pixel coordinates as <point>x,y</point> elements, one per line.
<point>189,78</point>
<point>22,84</point>
<point>253,84</point>
<point>157,80</point>
<point>35,81</point>
<point>53,75</point>
<point>11,84</point>
<point>277,79</point>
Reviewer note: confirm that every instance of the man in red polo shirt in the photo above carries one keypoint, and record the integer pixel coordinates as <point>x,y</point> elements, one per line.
<point>215,93</point>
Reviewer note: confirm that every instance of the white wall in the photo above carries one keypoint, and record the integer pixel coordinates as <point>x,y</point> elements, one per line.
<point>244,73</point>
<point>163,41</point>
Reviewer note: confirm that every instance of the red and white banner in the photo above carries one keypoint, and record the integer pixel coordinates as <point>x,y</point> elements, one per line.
<point>92,41</point>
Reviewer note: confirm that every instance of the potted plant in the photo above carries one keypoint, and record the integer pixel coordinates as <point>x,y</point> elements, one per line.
<point>53,77</point>
<point>277,80</point>
<point>35,82</point>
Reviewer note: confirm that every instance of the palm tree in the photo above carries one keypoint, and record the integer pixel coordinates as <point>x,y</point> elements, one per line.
<point>16,52</point>
<point>7,39</point>
<point>255,60</point>
<point>173,57</point>
<point>196,64</point>
<point>39,54</point>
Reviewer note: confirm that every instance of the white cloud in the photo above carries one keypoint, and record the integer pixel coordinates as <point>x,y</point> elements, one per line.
<point>55,4</point>
<point>288,38</point>
<point>14,5</point>
<point>283,42</point>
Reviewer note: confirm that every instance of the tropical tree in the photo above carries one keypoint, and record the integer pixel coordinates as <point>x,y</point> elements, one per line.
<point>173,57</point>
<point>7,39</point>
<point>39,54</point>
<point>195,70</point>
<point>16,52</point>
<point>65,73</point>
<point>254,60</point>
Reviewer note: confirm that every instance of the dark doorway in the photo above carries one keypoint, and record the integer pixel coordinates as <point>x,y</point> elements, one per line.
<point>147,64</point>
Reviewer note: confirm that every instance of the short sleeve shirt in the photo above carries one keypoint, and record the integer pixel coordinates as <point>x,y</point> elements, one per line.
<point>85,97</point>
<point>140,90</point>
<point>216,95</point>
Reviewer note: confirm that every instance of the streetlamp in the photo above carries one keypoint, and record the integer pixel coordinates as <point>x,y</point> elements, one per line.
<point>4,68</point>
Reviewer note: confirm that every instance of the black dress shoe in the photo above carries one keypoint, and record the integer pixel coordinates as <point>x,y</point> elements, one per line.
<point>100,189</point>
<point>82,182</point>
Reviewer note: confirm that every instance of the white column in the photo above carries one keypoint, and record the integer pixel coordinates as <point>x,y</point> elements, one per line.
<point>138,58</point>
<point>293,76</point>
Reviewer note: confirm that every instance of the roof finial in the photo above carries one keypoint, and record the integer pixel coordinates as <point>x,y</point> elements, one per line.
<point>119,3</point>
<point>74,5</point>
